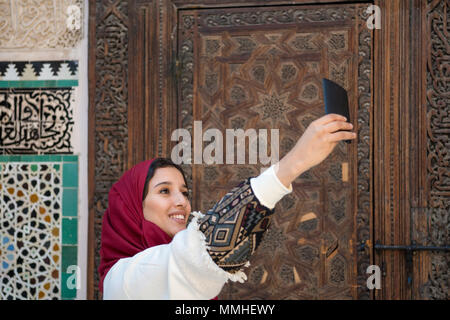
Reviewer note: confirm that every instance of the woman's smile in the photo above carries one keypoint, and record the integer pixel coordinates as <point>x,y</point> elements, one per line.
<point>178,217</point>
<point>167,203</point>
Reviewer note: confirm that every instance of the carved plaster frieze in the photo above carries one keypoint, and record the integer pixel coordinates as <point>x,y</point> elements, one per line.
<point>41,24</point>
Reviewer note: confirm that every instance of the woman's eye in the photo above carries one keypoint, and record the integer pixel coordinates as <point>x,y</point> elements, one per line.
<point>165,191</point>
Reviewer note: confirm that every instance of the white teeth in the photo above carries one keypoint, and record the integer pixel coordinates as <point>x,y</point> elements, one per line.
<point>178,216</point>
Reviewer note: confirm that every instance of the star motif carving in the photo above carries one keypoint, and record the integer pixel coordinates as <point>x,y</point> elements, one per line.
<point>274,108</point>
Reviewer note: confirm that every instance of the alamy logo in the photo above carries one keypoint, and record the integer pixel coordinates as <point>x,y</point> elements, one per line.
<point>74,17</point>
<point>374,20</point>
<point>213,152</point>
<point>374,281</point>
<point>74,280</point>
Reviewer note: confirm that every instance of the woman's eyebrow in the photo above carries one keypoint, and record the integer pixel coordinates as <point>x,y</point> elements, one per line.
<point>169,183</point>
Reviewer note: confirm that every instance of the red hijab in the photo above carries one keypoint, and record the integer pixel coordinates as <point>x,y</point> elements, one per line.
<point>125,232</point>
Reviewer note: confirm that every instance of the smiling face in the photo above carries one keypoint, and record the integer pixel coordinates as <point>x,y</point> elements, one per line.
<point>166,203</point>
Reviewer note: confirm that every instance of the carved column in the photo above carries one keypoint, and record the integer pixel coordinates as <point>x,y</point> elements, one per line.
<point>432,223</point>
<point>108,122</point>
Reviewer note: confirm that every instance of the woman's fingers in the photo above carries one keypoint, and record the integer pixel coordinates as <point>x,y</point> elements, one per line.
<point>337,125</point>
<point>341,135</point>
<point>330,118</point>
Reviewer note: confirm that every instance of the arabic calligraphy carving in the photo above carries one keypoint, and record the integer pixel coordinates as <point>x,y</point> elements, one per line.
<point>36,121</point>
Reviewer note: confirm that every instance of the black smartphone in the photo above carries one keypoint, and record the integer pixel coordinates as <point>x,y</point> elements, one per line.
<point>336,99</point>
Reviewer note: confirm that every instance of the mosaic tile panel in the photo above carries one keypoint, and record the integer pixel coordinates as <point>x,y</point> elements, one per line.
<point>39,226</point>
<point>38,74</point>
<point>36,103</point>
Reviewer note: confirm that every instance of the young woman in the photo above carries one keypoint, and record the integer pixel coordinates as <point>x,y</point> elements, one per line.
<point>154,247</point>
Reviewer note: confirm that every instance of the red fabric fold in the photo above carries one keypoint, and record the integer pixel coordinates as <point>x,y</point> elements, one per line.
<point>125,232</point>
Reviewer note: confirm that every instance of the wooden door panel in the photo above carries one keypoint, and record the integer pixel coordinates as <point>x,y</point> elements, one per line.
<point>261,68</point>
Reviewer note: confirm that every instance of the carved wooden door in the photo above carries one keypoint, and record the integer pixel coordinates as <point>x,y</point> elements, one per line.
<point>256,67</point>
<point>156,66</point>
<point>261,68</point>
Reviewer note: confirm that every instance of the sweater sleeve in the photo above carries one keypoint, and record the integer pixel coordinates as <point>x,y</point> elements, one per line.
<point>212,250</point>
<point>235,226</point>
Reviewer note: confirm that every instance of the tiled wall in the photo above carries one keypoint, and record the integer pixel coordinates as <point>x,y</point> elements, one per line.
<point>43,149</point>
<point>36,101</point>
<point>38,185</point>
<point>38,74</point>
<point>38,229</point>
<point>38,182</point>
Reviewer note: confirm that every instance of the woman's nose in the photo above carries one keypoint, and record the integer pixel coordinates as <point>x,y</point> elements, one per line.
<point>180,199</point>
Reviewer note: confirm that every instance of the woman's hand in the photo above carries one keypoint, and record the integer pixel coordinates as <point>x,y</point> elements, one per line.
<point>314,146</point>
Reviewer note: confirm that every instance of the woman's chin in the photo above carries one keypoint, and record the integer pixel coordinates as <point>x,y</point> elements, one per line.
<point>177,228</point>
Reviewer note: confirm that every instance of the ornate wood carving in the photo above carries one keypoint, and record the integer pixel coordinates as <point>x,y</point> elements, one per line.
<point>364,215</point>
<point>238,67</point>
<point>108,129</point>
<point>268,79</point>
<point>438,155</point>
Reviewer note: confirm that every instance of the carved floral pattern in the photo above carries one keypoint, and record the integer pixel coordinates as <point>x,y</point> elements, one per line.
<point>274,108</point>
<point>41,23</point>
<point>438,146</point>
<point>111,109</point>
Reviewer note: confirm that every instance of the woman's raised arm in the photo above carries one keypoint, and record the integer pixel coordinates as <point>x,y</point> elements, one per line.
<point>314,146</point>
<point>217,245</point>
<point>234,227</point>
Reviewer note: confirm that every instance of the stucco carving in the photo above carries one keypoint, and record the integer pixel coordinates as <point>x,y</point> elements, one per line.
<point>40,23</point>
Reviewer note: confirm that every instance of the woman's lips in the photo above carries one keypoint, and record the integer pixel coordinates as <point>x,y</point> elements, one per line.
<point>179,218</point>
